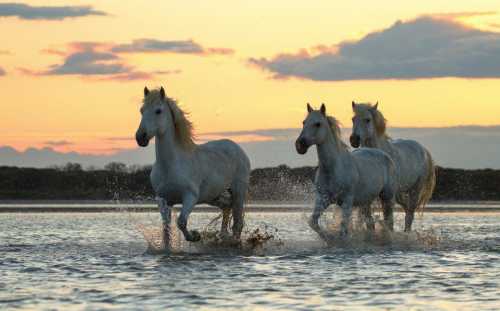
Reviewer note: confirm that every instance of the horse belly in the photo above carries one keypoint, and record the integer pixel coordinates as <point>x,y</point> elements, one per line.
<point>213,187</point>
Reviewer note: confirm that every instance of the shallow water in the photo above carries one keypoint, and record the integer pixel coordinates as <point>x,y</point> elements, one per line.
<point>94,261</point>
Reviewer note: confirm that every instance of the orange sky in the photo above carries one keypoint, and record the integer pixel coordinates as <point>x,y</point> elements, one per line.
<point>222,92</point>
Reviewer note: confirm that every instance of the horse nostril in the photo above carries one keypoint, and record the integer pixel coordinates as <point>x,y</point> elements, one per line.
<point>300,145</point>
<point>141,138</point>
<point>354,139</point>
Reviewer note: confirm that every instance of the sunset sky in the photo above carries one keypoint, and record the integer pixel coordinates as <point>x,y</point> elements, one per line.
<point>72,72</point>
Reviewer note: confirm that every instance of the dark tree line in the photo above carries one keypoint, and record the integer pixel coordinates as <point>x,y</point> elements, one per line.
<point>118,181</point>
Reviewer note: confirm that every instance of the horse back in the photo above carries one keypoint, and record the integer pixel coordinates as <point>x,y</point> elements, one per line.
<point>226,149</point>
<point>224,157</point>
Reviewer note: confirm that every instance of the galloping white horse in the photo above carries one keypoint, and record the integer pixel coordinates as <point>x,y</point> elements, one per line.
<point>187,173</point>
<point>346,178</point>
<point>414,166</point>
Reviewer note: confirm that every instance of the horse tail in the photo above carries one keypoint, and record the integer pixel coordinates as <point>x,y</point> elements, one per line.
<point>429,183</point>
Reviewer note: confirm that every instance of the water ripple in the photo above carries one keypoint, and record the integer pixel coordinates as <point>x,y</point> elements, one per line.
<point>98,261</point>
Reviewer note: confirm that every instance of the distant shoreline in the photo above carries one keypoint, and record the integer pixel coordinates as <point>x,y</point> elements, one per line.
<point>103,207</point>
<point>282,184</point>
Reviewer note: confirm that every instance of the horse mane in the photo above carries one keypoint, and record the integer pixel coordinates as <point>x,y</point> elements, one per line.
<point>184,132</point>
<point>335,128</point>
<point>379,120</point>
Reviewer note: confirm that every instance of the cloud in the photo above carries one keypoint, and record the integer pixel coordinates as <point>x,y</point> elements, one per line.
<point>457,15</point>
<point>427,47</point>
<point>28,12</point>
<point>88,61</point>
<point>95,60</point>
<point>4,52</point>
<point>57,143</point>
<point>104,61</point>
<point>2,72</point>
<point>159,46</point>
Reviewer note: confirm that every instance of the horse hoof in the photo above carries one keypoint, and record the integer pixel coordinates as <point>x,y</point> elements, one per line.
<point>344,235</point>
<point>195,236</point>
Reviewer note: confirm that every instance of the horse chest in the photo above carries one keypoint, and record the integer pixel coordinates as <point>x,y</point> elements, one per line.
<point>330,188</point>
<point>167,187</point>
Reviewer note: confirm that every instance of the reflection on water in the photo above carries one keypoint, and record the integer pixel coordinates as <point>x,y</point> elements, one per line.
<point>78,261</point>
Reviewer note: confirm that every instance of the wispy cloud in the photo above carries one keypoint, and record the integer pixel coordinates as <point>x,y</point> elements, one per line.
<point>463,144</point>
<point>165,46</point>
<point>2,72</point>
<point>4,52</point>
<point>427,47</point>
<point>459,15</point>
<point>28,12</point>
<point>57,143</point>
<point>120,138</point>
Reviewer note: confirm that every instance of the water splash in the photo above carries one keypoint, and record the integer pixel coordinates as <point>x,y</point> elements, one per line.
<point>150,226</point>
<point>360,238</point>
<point>255,241</point>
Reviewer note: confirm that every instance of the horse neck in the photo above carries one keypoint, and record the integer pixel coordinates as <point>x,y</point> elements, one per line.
<point>167,149</point>
<point>330,153</point>
<point>379,142</point>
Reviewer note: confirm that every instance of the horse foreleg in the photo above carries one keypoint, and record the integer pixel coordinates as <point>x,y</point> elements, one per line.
<point>188,203</point>
<point>388,209</point>
<point>320,205</point>
<point>346,216</point>
<point>366,214</point>
<point>166,217</point>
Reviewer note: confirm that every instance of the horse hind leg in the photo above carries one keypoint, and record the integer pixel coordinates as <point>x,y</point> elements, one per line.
<point>226,218</point>
<point>224,202</point>
<point>238,194</point>
<point>410,210</point>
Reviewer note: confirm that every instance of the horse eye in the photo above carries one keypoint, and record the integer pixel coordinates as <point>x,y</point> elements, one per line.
<point>158,111</point>
<point>317,124</point>
<point>367,120</point>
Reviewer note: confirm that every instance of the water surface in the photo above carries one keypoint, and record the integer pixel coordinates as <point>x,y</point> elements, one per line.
<point>100,260</point>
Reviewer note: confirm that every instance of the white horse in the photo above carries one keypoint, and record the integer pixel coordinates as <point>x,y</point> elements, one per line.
<point>184,173</point>
<point>414,166</point>
<point>343,177</point>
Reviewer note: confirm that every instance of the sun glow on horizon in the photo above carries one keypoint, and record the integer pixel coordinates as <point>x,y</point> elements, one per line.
<point>201,56</point>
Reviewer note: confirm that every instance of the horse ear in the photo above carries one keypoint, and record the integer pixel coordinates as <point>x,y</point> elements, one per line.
<point>309,108</point>
<point>353,105</point>
<point>375,107</point>
<point>146,91</point>
<point>162,93</point>
<point>323,109</point>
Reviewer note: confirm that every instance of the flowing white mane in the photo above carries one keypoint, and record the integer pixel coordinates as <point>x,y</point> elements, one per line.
<point>183,127</point>
<point>378,118</point>
<point>335,128</point>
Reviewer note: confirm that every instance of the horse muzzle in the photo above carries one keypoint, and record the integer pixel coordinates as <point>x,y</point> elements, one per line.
<point>355,140</point>
<point>301,146</point>
<point>142,139</point>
